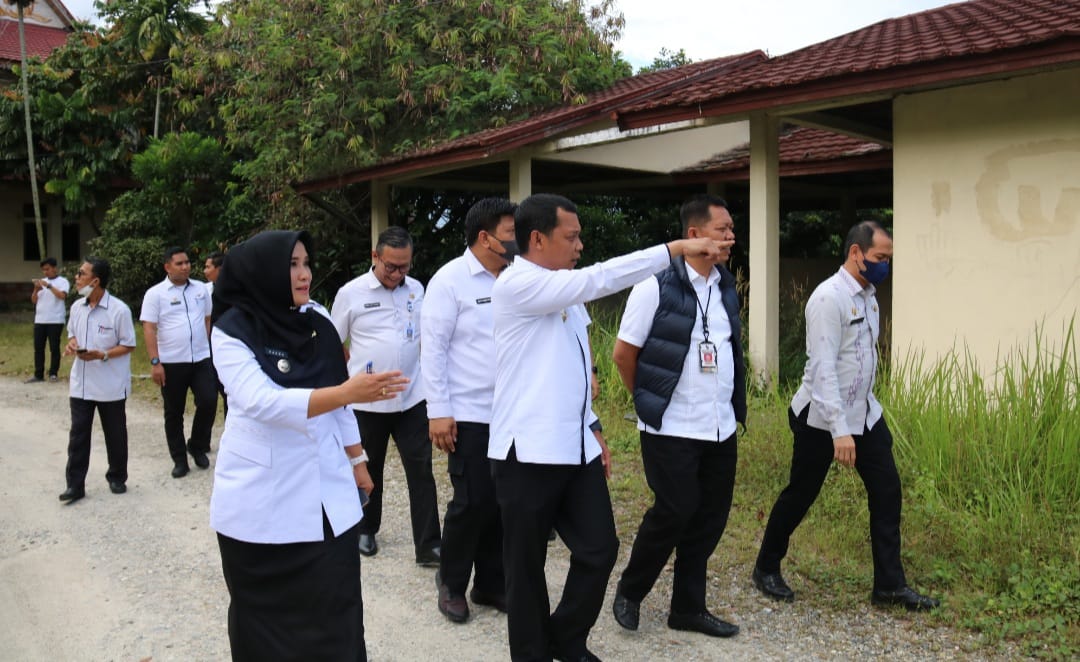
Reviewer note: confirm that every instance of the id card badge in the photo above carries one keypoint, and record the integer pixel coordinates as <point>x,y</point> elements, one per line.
<point>409,333</point>
<point>707,357</point>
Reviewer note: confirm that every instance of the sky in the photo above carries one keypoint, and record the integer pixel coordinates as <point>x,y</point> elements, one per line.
<point>714,28</point>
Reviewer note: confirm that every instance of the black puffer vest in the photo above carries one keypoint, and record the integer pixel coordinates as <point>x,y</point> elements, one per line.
<point>660,362</point>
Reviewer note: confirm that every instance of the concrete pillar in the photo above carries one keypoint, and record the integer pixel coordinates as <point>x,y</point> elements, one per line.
<point>380,209</point>
<point>764,331</point>
<point>520,177</point>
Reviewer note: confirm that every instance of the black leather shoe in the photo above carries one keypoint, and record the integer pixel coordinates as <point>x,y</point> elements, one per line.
<point>34,380</point>
<point>200,458</point>
<point>702,622</point>
<point>905,596</point>
<point>584,656</point>
<point>772,585</point>
<point>429,558</point>
<point>452,605</point>
<point>368,546</point>
<point>626,611</point>
<point>73,494</point>
<point>180,470</point>
<point>496,600</point>
<point>116,487</point>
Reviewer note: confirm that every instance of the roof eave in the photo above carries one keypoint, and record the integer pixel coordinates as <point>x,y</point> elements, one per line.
<point>926,75</point>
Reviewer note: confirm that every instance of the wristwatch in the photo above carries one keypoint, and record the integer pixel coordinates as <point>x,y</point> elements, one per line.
<point>362,457</point>
<point>105,356</point>
<point>155,361</point>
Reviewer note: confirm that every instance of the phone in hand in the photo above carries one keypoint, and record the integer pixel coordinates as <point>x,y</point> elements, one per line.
<point>80,350</point>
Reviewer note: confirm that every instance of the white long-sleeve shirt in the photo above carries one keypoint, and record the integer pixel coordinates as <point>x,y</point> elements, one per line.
<point>543,367</point>
<point>841,345</point>
<point>277,470</point>
<point>457,341</point>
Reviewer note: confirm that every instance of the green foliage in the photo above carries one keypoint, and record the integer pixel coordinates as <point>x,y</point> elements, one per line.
<point>667,59</point>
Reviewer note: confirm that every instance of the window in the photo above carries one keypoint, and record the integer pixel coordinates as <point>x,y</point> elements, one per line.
<point>70,242</point>
<point>30,243</point>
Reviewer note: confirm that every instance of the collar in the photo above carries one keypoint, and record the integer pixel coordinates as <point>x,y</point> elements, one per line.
<point>852,286</point>
<point>103,302</point>
<point>169,283</point>
<point>476,268</point>
<point>526,263</point>
<point>695,277</point>
<point>374,283</point>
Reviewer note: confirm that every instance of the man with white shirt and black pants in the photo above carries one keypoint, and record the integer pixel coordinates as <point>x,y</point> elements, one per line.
<point>176,324</point>
<point>378,316</point>
<point>459,384</point>
<point>835,416</point>
<point>101,337</point>
<point>48,298</point>
<point>678,352</point>
<point>549,467</point>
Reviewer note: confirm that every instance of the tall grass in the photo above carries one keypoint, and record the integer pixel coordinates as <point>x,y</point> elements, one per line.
<point>996,462</point>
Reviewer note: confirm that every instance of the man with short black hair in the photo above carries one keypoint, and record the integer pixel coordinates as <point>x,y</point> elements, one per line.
<point>377,316</point>
<point>835,416</point>
<point>549,466</point>
<point>101,337</point>
<point>459,385</point>
<point>679,353</point>
<point>211,268</point>
<point>176,324</point>
<point>48,298</point>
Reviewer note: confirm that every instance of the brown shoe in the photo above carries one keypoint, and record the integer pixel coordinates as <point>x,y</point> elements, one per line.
<point>453,606</point>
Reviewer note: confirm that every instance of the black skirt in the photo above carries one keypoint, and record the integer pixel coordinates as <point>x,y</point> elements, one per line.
<point>296,601</point>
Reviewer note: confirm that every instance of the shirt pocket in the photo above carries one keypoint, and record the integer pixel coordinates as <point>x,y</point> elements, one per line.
<point>251,451</point>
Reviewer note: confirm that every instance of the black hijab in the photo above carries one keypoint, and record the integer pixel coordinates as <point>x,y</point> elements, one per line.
<point>253,302</point>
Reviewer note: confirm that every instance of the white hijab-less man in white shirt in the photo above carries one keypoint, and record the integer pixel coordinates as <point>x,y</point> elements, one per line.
<point>549,467</point>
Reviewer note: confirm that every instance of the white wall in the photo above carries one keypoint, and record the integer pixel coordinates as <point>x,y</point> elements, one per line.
<point>987,225</point>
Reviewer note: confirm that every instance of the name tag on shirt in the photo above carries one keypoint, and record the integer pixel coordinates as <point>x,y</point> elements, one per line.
<point>483,300</point>
<point>857,320</point>
<point>375,304</point>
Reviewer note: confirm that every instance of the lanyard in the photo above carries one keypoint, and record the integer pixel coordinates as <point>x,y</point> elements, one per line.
<point>704,312</point>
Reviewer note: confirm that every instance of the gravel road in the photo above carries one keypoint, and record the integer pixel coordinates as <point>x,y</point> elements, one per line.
<point>137,576</point>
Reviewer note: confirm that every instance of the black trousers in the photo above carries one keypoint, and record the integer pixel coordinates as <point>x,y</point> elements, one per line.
<point>410,431</point>
<point>50,332</point>
<point>472,529</point>
<point>200,379</point>
<point>693,482</point>
<point>574,500</point>
<point>295,601</point>
<point>113,424</point>
<point>812,454</point>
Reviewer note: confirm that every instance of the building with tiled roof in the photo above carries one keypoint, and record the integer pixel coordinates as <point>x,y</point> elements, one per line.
<point>47,24</point>
<point>965,119</point>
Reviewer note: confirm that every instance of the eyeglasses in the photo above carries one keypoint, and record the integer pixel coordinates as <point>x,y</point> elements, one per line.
<point>395,268</point>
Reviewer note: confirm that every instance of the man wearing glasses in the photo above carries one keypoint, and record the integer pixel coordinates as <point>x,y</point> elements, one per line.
<point>377,316</point>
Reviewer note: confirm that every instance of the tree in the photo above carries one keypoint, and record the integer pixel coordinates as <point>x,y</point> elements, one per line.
<point>309,87</point>
<point>666,60</point>
<point>24,77</point>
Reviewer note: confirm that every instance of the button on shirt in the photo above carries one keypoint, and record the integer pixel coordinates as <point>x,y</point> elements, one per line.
<point>543,367</point>
<point>49,308</point>
<point>458,350</point>
<point>700,406</point>
<point>841,345</point>
<point>383,328</point>
<point>180,313</point>
<point>102,327</point>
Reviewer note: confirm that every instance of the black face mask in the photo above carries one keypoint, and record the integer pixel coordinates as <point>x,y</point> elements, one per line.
<point>510,250</point>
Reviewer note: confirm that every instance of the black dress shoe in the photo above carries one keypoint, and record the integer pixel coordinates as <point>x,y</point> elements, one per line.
<point>200,458</point>
<point>73,494</point>
<point>626,610</point>
<point>772,585</point>
<point>584,656</point>
<point>702,622</point>
<point>180,470</point>
<point>452,605</point>
<point>33,380</point>
<point>496,600</point>
<point>429,558</point>
<point>905,596</point>
<point>116,487</point>
<point>368,546</point>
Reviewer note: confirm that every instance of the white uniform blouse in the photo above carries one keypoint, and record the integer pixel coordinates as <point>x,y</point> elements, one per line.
<point>278,470</point>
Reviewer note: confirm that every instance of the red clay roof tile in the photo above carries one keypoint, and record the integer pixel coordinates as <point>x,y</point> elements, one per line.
<point>797,145</point>
<point>40,40</point>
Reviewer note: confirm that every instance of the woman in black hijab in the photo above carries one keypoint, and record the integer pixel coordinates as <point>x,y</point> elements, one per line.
<point>285,501</point>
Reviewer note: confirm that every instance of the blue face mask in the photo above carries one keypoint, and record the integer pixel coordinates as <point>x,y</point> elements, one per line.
<point>874,272</point>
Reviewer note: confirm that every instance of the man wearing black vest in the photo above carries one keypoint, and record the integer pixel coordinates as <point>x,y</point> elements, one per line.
<point>679,352</point>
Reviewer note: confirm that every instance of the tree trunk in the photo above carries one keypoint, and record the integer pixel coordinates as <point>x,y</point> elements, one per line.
<point>24,75</point>
<point>157,109</point>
